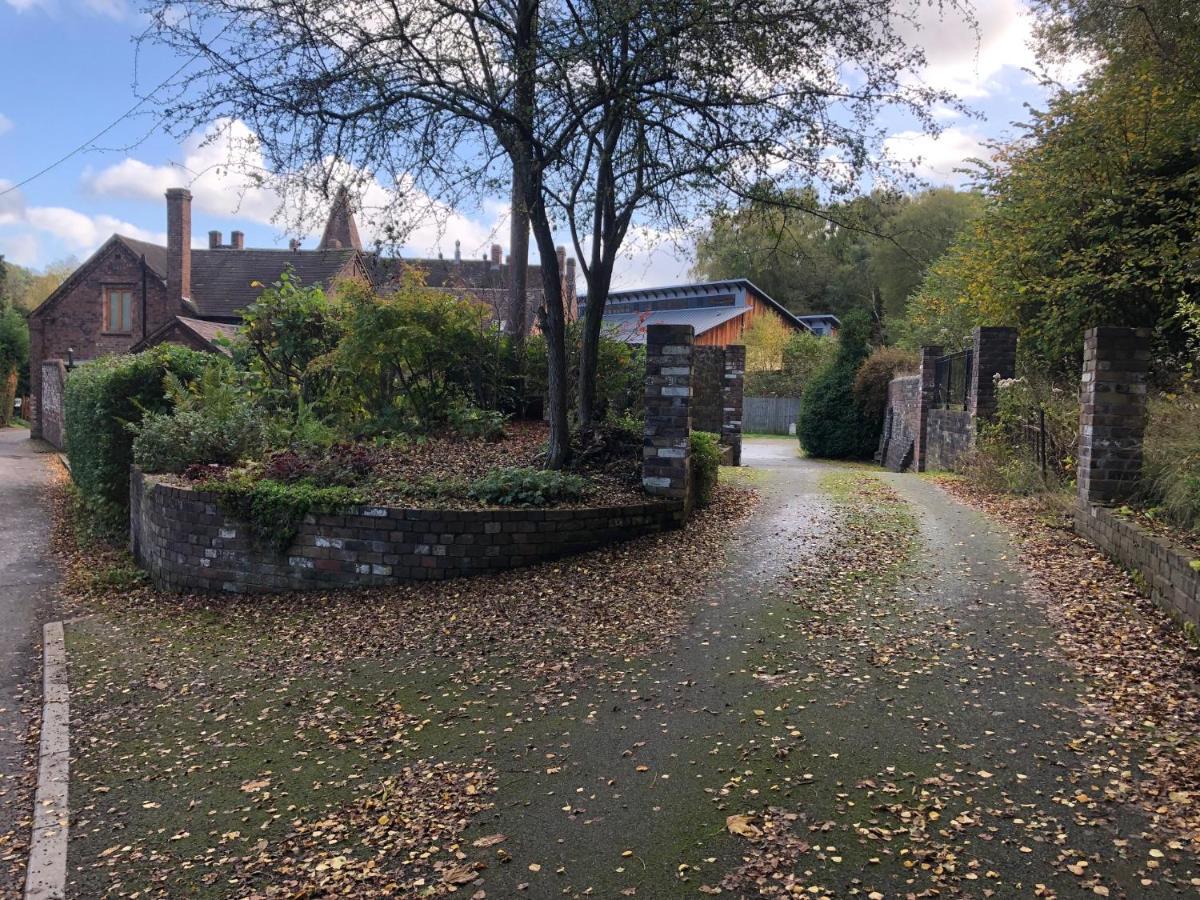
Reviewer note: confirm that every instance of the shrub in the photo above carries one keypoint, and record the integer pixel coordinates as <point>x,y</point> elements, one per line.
<point>873,376</point>
<point>407,359</point>
<point>527,487</point>
<point>103,397</point>
<point>1172,456</point>
<point>341,464</point>
<point>832,423</point>
<point>285,342</point>
<point>212,421</point>
<point>273,510</point>
<point>706,466</point>
<point>1005,456</point>
<point>803,357</point>
<point>474,423</point>
<point>620,372</point>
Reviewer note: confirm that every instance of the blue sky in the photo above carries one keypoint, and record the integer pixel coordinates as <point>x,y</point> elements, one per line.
<point>70,66</point>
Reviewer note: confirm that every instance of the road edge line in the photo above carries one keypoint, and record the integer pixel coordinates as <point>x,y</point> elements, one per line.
<point>46,876</point>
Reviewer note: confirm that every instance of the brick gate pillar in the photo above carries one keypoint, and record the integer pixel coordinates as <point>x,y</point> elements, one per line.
<point>732,387</point>
<point>929,357</point>
<point>995,353</point>
<point>1112,412</point>
<point>666,451</point>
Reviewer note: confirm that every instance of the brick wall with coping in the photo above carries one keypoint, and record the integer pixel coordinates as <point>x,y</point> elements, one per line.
<point>928,381</point>
<point>1174,585</point>
<point>186,542</point>
<point>666,448</point>
<point>901,422</point>
<point>942,438</point>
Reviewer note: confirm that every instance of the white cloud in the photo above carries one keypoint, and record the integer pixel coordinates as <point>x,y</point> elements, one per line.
<point>6,124</point>
<point>79,233</point>
<point>935,158</point>
<point>21,249</point>
<point>964,58</point>
<point>217,166</point>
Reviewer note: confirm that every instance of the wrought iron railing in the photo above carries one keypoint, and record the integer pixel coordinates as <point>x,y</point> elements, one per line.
<point>952,380</point>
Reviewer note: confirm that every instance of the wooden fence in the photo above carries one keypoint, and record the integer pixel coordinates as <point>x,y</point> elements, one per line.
<point>769,415</point>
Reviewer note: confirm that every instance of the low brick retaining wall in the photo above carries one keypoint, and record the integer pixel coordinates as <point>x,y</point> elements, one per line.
<point>186,542</point>
<point>1173,583</point>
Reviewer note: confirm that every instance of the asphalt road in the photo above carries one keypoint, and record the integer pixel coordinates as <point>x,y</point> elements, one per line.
<point>28,575</point>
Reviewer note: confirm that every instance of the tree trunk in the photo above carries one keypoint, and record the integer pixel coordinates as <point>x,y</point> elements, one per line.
<point>518,270</point>
<point>599,280</point>
<point>554,327</point>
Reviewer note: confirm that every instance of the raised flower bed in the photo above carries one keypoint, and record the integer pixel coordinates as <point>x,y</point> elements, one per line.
<point>185,540</point>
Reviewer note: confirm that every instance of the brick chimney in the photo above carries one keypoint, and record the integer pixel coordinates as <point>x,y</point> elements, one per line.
<point>497,254</point>
<point>214,240</point>
<point>237,240</point>
<point>179,245</point>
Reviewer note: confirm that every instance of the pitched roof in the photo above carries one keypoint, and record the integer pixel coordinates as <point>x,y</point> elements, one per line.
<point>205,332</point>
<point>156,256</point>
<point>630,328</point>
<point>222,279</point>
<point>341,231</point>
<point>730,292</point>
<point>479,274</point>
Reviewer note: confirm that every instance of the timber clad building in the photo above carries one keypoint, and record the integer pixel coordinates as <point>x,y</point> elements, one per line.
<point>131,294</point>
<point>719,311</point>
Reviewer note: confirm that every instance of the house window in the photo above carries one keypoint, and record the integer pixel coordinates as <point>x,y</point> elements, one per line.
<point>118,310</point>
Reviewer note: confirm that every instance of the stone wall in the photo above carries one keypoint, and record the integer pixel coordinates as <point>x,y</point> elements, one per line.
<point>898,441</point>
<point>51,414</point>
<point>950,434</point>
<point>1167,571</point>
<point>184,540</point>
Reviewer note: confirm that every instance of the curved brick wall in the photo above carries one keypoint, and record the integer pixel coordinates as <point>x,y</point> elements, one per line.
<point>184,540</point>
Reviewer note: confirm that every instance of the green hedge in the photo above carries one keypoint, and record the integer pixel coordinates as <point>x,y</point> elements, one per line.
<point>706,466</point>
<point>102,398</point>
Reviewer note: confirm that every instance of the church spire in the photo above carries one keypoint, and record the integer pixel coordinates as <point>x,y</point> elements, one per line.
<point>340,230</point>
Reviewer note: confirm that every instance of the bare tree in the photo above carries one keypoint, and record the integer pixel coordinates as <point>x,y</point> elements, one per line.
<point>597,113</point>
<point>437,99</point>
<point>683,105</point>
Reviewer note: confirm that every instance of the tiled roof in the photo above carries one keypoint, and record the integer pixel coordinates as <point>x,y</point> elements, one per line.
<point>156,256</point>
<point>209,331</point>
<point>221,279</point>
<point>448,273</point>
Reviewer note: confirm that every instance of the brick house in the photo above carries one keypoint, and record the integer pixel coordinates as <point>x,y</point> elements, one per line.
<point>132,294</point>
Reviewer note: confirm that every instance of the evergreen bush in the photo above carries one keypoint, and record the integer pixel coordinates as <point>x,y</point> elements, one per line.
<point>102,399</point>
<point>706,466</point>
<point>832,422</point>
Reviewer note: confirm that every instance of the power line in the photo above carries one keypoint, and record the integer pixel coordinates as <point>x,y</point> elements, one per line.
<point>105,130</point>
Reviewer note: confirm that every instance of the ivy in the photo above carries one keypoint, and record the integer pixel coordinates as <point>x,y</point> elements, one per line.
<point>273,510</point>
